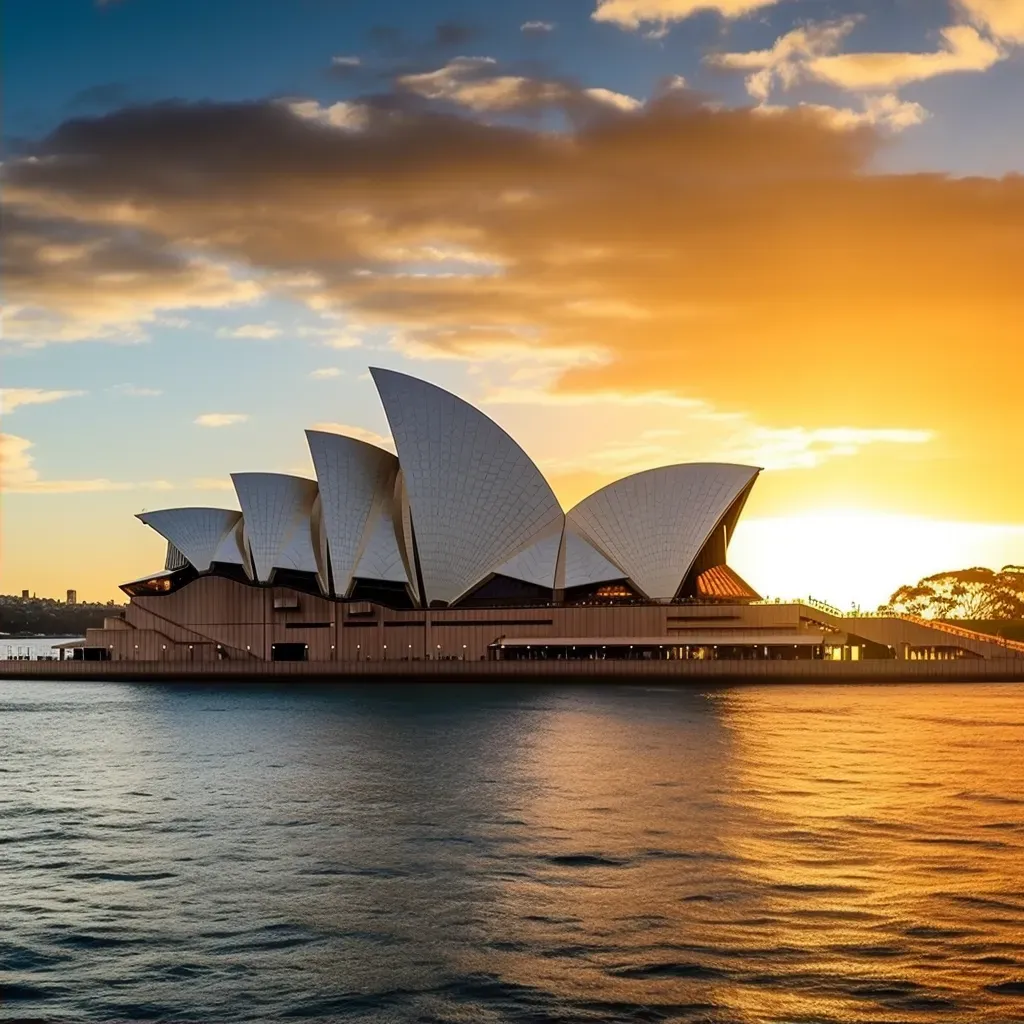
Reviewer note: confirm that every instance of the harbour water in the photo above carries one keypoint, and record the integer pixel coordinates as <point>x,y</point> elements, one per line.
<point>521,854</point>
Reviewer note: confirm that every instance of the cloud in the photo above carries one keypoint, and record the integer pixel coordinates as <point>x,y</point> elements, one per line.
<point>453,33</point>
<point>963,49</point>
<point>340,339</point>
<point>393,43</point>
<point>101,96</point>
<point>326,373</point>
<point>809,53</point>
<point>699,431</point>
<point>17,469</point>
<point>1002,19</point>
<point>800,448</point>
<point>263,332</point>
<point>537,28</point>
<point>67,279</point>
<point>220,419</point>
<point>492,344</point>
<point>359,433</point>
<point>786,63</point>
<point>212,483</point>
<point>755,261</point>
<point>472,82</point>
<point>632,14</point>
<point>11,398</point>
<point>886,111</point>
<point>133,391</point>
<point>342,115</point>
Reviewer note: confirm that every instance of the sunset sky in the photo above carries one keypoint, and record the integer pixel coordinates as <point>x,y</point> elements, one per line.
<point>634,232</point>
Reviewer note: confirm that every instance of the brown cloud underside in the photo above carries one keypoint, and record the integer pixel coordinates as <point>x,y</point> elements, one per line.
<point>745,258</point>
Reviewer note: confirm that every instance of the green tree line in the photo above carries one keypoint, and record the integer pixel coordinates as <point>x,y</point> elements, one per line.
<point>42,616</point>
<point>975,593</point>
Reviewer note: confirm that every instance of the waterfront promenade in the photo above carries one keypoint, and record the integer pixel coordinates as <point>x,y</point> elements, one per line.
<point>1009,669</point>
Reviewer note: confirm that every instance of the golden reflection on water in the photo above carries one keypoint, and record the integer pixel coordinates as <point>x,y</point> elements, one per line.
<point>784,853</point>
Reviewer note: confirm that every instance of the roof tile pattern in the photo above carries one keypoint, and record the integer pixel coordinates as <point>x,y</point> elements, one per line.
<point>381,559</point>
<point>231,548</point>
<point>403,532</point>
<point>476,497</point>
<point>537,562</point>
<point>357,481</point>
<point>653,524</point>
<point>584,564</point>
<point>195,532</point>
<point>277,510</point>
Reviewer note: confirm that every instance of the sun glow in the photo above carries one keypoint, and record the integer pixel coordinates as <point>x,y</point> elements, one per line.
<point>850,556</point>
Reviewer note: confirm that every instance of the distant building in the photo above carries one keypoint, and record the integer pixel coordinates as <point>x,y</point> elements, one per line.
<point>24,595</point>
<point>72,597</point>
<point>457,548</point>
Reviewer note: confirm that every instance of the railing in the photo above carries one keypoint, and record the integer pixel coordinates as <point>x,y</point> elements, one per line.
<point>963,633</point>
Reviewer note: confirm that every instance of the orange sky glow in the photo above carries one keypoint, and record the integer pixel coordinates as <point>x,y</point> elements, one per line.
<point>621,281</point>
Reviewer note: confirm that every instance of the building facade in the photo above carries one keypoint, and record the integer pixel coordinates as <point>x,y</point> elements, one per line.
<point>457,548</point>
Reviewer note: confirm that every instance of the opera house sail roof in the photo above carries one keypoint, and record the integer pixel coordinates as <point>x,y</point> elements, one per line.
<point>462,516</point>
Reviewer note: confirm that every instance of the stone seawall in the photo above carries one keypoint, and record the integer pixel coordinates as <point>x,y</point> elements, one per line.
<point>695,672</point>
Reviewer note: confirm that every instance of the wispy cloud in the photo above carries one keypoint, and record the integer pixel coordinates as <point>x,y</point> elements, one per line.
<point>212,483</point>
<point>20,476</point>
<point>1003,19</point>
<point>633,14</point>
<point>220,419</point>
<point>802,448</point>
<point>133,391</point>
<point>537,28</point>
<point>12,398</point>
<point>810,53</point>
<point>326,372</point>
<point>475,83</point>
<point>359,433</point>
<point>262,332</point>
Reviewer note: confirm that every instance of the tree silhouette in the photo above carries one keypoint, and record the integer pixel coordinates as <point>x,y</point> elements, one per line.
<point>975,593</point>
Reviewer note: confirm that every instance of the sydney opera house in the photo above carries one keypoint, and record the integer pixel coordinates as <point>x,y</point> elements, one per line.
<point>457,548</point>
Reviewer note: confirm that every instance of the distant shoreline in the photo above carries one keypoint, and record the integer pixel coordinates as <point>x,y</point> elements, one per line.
<point>40,636</point>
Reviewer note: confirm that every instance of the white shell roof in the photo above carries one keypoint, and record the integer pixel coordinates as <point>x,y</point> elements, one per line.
<point>537,562</point>
<point>277,510</point>
<point>381,559</point>
<point>195,532</point>
<point>476,497</point>
<point>357,484</point>
<point>231,548</point>
<point>403,531</point>
<point>653,524</point>
<point>584,564</point>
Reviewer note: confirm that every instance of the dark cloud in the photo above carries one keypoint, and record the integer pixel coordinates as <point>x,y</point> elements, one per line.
<point>102,96</point>
<point>453,34</point>
<point>446,36</point>
<point>70,280</point>
<point>750,259</point>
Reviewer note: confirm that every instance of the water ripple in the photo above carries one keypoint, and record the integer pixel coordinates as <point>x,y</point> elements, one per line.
<point>512,854</point>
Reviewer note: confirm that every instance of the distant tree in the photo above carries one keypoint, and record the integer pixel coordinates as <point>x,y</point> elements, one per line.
<point>975,593</point>
<point>45,617</point>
